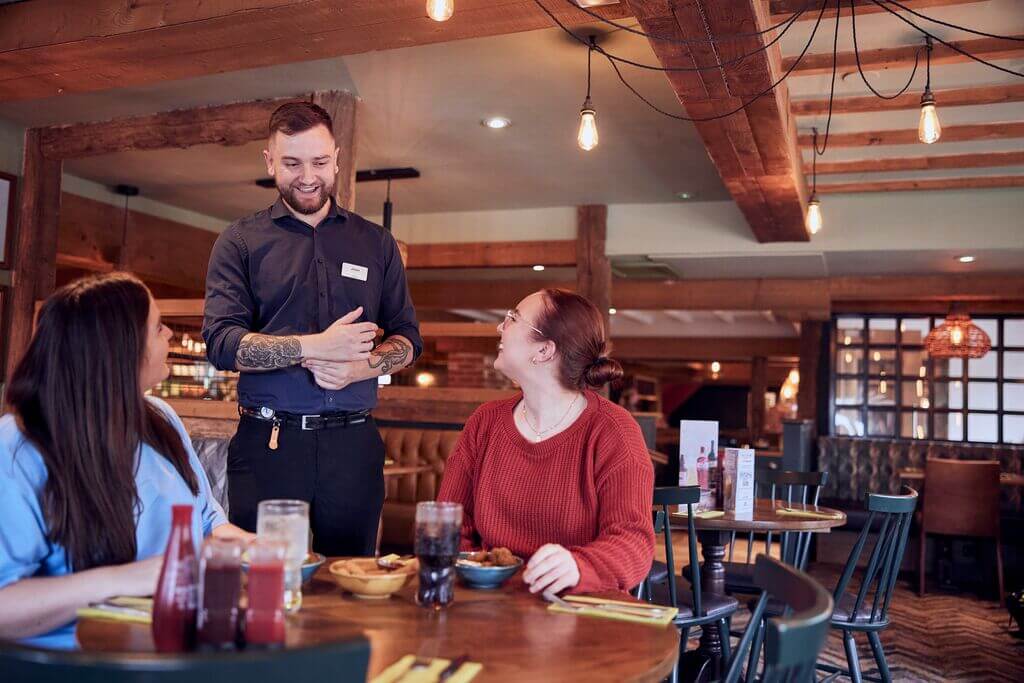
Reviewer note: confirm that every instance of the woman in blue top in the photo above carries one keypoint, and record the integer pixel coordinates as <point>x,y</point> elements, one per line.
<point>90,466</point>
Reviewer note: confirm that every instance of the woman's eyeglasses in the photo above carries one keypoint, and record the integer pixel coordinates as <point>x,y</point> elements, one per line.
<point>512,315</point>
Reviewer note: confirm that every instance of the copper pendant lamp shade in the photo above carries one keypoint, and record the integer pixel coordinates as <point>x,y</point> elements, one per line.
<point>957,337</point>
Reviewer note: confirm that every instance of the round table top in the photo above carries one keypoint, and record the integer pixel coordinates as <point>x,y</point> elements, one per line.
<point>766,517</point>
<point>508,630</point>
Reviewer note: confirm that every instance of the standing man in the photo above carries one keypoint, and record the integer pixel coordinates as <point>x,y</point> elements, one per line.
<point>295,296</point>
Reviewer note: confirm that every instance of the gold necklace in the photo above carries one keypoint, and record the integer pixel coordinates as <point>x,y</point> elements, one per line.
<point>542,432</point>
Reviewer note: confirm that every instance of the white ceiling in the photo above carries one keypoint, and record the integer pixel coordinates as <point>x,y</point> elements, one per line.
<point>422,107</point>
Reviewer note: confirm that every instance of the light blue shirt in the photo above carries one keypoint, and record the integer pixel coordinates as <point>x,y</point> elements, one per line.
<point>25,549</point>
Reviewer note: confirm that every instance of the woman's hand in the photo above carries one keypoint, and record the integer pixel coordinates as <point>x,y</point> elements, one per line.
<point>552,569</point>
<point>231,531</point>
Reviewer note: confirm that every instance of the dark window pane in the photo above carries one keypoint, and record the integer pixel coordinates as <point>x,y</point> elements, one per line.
<point>881,362</point>
<point>849,422</point>
<point>849,392</point>
<point>849,361</point>
<point>949,426</point>
<point>881,423</point>
<point>882,331</point>
<point>915,394</point>
<point>914,424</point>
<point>982,396</point>
<point>881,392</point>
<point>982,427</point>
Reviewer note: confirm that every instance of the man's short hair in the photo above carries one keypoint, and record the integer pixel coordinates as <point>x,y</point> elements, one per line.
<point>292,118</point>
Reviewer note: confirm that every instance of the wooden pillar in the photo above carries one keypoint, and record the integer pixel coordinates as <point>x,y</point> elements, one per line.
<point>342,107</point>
<point>810,359</point>
<point>758,387</point>
<point>35,256</point>
<point>593,270</point>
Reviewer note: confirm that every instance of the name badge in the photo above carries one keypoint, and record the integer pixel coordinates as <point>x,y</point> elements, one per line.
<point>353,271</point>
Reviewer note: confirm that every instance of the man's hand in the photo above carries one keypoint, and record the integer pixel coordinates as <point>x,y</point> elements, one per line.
<point>344,340</point>
<point>332,375</point>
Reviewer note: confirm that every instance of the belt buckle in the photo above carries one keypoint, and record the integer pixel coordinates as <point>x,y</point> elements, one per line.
<point>303,426</point>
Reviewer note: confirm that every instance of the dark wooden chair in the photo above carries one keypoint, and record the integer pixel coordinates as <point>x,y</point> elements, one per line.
<point>344,662</point>
<point>696,608</point>
<point>793,547</point>
<point>961,498</point>
<point>866,608</point>
<point>792,641</point>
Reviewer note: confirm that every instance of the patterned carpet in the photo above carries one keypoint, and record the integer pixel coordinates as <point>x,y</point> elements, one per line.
<point>938,637</point>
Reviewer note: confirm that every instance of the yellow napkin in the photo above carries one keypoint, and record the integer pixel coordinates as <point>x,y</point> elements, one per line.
<point>668,613</point>
<point>809,514</point>
<point>134,610</point>
<point>399,671</point>
<point>703,514</point>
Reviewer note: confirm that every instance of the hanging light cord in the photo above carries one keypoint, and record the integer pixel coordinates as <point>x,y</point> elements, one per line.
<point>590,52</point>
<point>814,163</point>
<point>957,27</point>
<point>860,69</point>
<point>928,65</point>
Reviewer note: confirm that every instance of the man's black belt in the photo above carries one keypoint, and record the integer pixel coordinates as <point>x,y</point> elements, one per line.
<point>307,422</point>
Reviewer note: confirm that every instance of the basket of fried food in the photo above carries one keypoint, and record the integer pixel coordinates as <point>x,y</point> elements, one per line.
<point>487,568</point>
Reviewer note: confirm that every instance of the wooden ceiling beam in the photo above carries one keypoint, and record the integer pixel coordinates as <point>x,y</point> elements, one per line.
<point>923,163</point>
<point>977,131</point>
<point>783,9</point>
<point>551,253</point>
<point>958,97</point>
<point>754,149</point>
<point>902,57</point>
<point>972,183</point>
<point>54,47</point>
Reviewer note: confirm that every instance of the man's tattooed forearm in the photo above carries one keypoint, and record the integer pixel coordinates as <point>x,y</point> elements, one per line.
<point>264,352</point>
<point>393,354</point>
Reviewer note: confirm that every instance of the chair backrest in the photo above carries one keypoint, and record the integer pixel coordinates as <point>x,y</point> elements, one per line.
<point>344,662</point>
<point>791,642</point>
<point>961,497</point>
<point>891,515</point>
<point>791,487</point>
<point>665,496</point>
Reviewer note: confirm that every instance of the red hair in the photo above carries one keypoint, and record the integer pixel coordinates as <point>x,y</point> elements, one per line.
<point>576,327</point>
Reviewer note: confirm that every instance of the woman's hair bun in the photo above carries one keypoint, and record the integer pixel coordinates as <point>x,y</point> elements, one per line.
<point>602,371</point>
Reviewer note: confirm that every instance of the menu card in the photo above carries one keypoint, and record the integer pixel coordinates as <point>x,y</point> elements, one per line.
<point>698,459</point>
<point>738,482</point>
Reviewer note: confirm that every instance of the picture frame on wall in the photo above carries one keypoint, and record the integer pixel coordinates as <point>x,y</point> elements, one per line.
<point>8,184</point>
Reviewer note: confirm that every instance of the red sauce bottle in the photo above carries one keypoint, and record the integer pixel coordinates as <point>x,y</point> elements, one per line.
<point>264,617</point>
<point>174,604</point>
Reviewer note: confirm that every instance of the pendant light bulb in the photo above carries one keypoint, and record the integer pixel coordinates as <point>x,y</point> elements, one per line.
<point>440,10</point>
<point>814,217</point>
<point>587,136</point>
<point>928,128</point>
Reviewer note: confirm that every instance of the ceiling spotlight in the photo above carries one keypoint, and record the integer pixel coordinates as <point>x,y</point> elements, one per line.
<point>612,311</point>
<point>440,10</point>
<point>716,366</point>
<point>496,122</point>
<point>684,195</point>
<point>538,268</point>
<point>965,259</point>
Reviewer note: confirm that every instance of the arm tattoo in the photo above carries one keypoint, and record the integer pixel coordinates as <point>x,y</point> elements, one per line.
<point>392,354</point>
<point>266,352</point>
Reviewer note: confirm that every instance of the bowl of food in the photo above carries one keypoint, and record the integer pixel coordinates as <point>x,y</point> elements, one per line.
<point>487,568</point>
<point>365,578</point>
<point>309,565</point>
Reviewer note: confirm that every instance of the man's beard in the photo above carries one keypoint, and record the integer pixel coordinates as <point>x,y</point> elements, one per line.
<point>295,200</point>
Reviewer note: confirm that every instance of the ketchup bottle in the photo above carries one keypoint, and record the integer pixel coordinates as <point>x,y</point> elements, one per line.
<point>174,604</point>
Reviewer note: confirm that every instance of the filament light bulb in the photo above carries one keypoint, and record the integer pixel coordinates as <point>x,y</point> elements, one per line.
<point>587,136</point>
<point>928,128</point>
<point>440,10</point>
<point>814,217</point>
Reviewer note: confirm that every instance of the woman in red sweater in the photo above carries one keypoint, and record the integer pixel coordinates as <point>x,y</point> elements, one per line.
<point>559,474</point>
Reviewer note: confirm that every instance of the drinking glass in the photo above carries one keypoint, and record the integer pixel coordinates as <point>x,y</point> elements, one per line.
<point>264,616</point>
<point>288,521</point>
<point>438,528</point>
<point>220,585</point>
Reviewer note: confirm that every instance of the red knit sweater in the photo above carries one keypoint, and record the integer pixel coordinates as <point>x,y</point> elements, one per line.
<point>588,488</point>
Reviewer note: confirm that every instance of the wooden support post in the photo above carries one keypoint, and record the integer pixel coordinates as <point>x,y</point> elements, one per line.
<point>758,386</point>
<point>810,360</point>
<point>35,256</point>
<point>342,107</point>
<point>593,270</point>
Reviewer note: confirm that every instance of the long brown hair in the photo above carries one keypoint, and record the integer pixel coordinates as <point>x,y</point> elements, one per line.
<point>576,327</point>
<point>76,393</point>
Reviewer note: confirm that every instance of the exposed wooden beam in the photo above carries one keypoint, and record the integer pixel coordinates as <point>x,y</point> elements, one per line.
<point>953,286</point>
<point>342,107</point>
<point>34,271</point>
<point>925,307</point>
<point>493,254</point>
<point>902,57</point>
<point>53,47</point>
<point>593,269</point>
<point>907,136</point>
<point>448,294</point>
<point>960,97</point>
<point>703,348</point>
<point>758,387</point>
<point>228,124</point>
<point>754,149</point>
<point>810,360</point>
<point>781,9</point>
<point>922,163</point>
<point>973,183</point>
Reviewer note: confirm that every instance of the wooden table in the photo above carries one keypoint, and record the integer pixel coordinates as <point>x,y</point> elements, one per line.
<point>508,630</point>
<point>1005,478</point>
<point>714,535</point>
